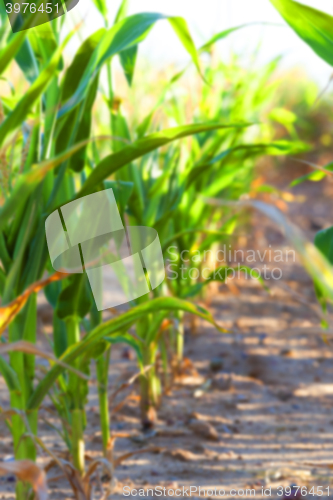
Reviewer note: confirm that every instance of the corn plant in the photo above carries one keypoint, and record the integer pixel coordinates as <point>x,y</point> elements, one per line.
<point>314,28</point>
<point>45,163</point>
<point>169,188</point>
<point>52,153</point>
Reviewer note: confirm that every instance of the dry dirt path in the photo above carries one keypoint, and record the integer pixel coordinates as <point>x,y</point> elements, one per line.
<point>253,408</point>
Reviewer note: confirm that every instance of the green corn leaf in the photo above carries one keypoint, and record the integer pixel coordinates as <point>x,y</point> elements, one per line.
<point>121,36</point>
<point>219,36</point>
<point>127,61</point>
<point>315,176</point>
<point>122,11</point>
<point>276,148</point>
<point>95,352</point>
<point>102,7</point>
<point>22,241</point>
<point>2,281</point>
<point>9,375</point>
<point>29,333</point>
<point>19,114</point>
<point>154,327</point>
<point>220,275</point>
<point>312,176</point>
<point>185,232</point>
<point>74,120</point>
<point>112,327</point>
<point>132,342</point>
<point>122,191</point>
<point>52,292</point>
<point>79,64</point>
<point>142,146</point>
<point>60,339</point>
<point>3,18</point>
<point>18,47</point>
<point>311,25</point>
<point>223,34</point>
<point>4,254</point>
<point>124,35</point>
<point>127,57</point>
<point>43,43</point>
<point>324,242</point>
<point>26,60</point>
<point>27,182</point>
<point>78,160</point>
<point>8,53</point>
<point>75,299</point>
<point>181,29</point>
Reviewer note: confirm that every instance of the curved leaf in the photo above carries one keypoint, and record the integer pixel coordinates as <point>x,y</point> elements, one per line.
<point>21,110</point>
<point>311,25</point>
<point>324,242</point>
<point>145,145</point>
<point>124,35</point>
<point>219,36</point>
<point>10,50</point>
<point>8,312</point>
<point>30,348</point>
<point>128,60</point>
<point>27,182</point>
<point>10,375</point>
<point>112,327</point>
<point>26,470</point>
<point>127,339</point>
<point>75,299</point>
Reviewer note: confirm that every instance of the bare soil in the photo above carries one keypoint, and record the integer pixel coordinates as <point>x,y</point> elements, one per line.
<point>252,409</point>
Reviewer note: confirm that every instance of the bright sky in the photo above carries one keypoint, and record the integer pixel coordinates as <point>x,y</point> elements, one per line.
<point>207,17</point>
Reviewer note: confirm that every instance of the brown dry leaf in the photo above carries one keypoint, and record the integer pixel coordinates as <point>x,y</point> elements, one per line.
<point>172,432</point>
<point>166,323</point>
<point>108,467</point>
<point>8,312</point>
<point>314,166</point>
<point>204,429</point>
<point>7,414</point>
<point>29,348</point>
<point>151,449</point>
<point>81,486</point>
<point>27,471</point>
<point>313,464</point>
<point>128,383</point>
<point>71,474</point>
<point>75,480</point>
<point>182,455</point>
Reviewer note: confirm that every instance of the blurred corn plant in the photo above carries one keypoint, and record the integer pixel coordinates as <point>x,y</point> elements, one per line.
<point>314,28</point>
